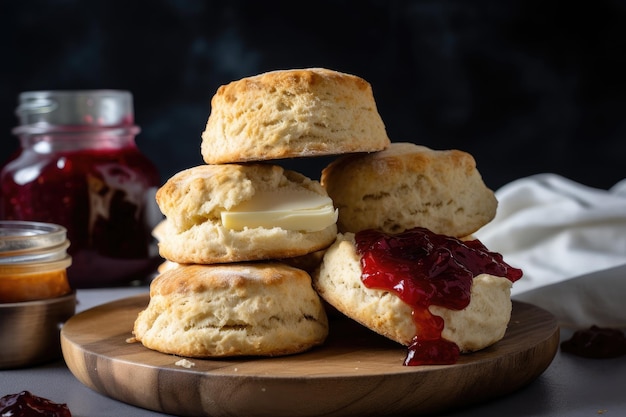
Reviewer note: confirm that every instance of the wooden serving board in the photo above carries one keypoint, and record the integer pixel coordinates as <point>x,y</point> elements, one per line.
<point>355,373</point>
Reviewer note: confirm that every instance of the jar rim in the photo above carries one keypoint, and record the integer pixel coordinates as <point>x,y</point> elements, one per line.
<point>19,235</point>
<point>27,256</point>
<point>98,109</point>
<point>20,305</point>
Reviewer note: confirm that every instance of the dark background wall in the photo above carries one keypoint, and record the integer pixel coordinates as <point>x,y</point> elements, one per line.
<point>525,86</point>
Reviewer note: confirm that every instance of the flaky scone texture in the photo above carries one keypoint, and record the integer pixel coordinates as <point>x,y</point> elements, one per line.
<point>193,199</point>
<point>201,311</point>
<point>292,113</point>
<point>482,323</point>
<point>407,186</point>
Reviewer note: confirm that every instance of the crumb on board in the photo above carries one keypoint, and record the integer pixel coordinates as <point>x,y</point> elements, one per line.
<point>131,340</point>
<point>185,363</point>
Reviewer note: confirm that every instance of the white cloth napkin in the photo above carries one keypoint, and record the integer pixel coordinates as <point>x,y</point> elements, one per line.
<point>570,241</point>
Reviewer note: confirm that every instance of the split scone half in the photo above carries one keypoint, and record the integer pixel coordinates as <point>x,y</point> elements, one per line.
<point>406,186</point>
<point>482,323</point>
<point>243,212</point>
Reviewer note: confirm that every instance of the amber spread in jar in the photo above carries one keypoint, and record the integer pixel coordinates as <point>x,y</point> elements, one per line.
<point>423,269</point>
<point>25,404</point>
<point>36,286</point>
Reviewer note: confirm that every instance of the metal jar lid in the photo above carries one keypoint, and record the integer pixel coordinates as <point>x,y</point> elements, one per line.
<point>77,108</point>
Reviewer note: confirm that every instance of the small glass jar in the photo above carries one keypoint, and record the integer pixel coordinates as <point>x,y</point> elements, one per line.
<point>79,166</point>
<point>33,261</point>
<point>35,296</point>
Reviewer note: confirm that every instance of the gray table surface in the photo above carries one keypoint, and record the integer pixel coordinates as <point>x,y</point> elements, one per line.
<point>571,386</point>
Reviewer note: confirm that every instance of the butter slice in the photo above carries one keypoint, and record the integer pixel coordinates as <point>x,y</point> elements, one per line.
<point>299,210</point>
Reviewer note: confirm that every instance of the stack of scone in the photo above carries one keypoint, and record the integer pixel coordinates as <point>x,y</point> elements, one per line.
<point>251,246</point>
<point>421,206</point>
<point>231,225</point>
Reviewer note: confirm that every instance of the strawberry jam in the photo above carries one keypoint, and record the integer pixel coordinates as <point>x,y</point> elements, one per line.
<point>423,269</point>
<point>25,404</point>
<point>596,342</point>
<point>100,196</point>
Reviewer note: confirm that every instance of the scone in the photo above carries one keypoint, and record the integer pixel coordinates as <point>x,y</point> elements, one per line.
<point>473,324</point>
<point>243,212</point>
<point>203,311</point>
<point>408,186</point>
<point>292,113</point>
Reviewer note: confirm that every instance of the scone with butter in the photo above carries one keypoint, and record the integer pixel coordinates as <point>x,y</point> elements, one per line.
<point>203,311</point>
<point>292,113</point>
<point>409,185</point>
<point>243,212</point>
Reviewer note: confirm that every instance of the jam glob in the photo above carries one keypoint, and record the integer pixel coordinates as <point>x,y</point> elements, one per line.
<point>423,269</point>
<point>596,342</point>
<point>25,404</point>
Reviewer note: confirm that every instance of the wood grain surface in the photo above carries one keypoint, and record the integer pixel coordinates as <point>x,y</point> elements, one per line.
<point>356,372</point>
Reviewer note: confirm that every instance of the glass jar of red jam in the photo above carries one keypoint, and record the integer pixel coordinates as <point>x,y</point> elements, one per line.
<point>78,166</point>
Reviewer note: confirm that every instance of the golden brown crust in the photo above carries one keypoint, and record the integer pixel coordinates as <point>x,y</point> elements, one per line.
<point>265,309</point>
<point>292,113</point>
<point>406,186</point>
